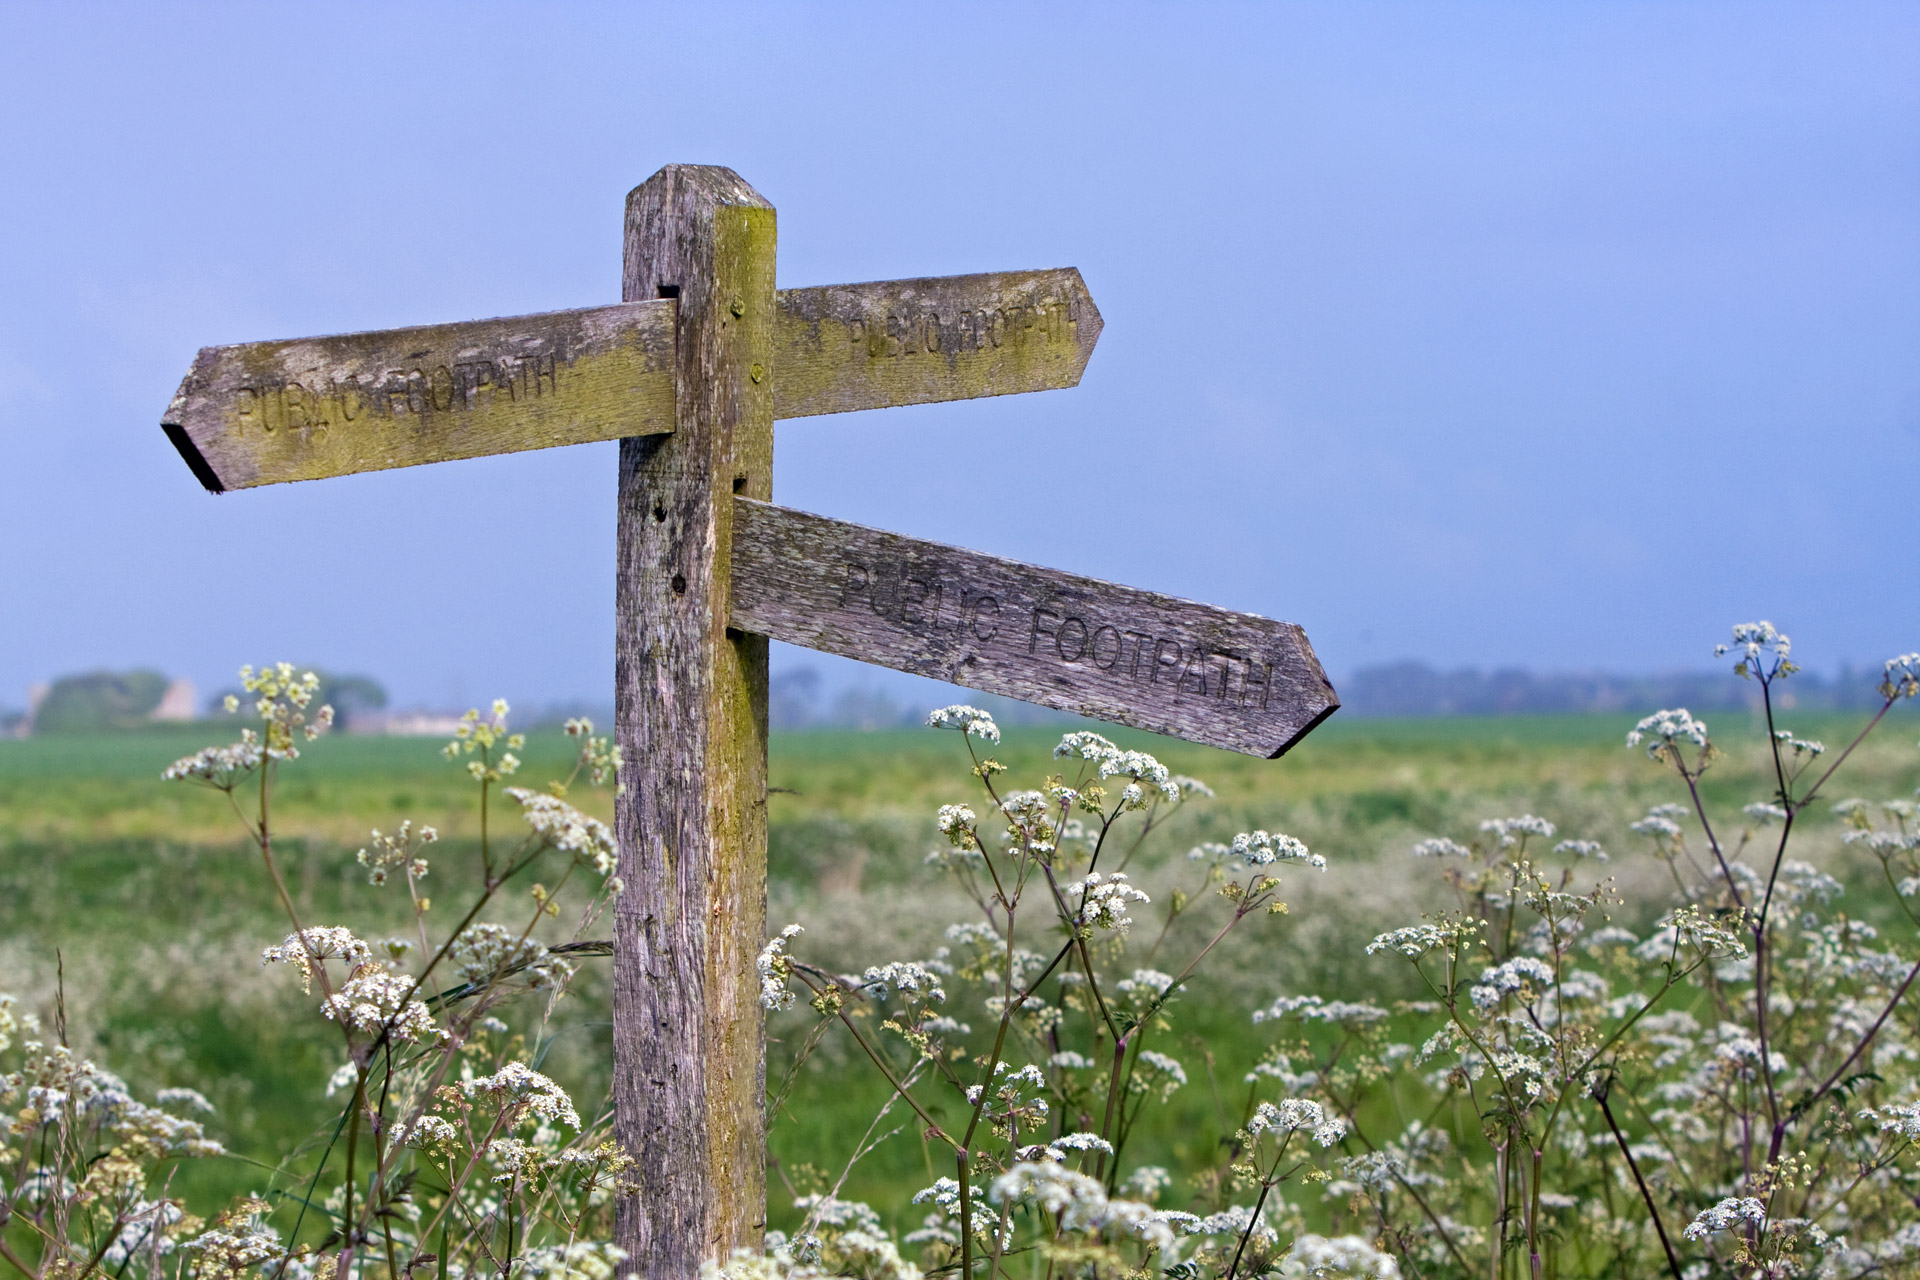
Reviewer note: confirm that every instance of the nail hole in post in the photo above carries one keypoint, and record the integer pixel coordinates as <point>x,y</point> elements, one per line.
<point>679,584</point>
<point>659,515</point>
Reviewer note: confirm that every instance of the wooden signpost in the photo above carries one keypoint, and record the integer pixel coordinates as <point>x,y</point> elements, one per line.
<point>689,373</point>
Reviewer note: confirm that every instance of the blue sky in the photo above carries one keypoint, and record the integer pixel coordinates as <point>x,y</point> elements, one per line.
<point>1553,335</point>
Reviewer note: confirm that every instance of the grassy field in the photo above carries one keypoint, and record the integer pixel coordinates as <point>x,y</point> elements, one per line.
<point>147,898</point>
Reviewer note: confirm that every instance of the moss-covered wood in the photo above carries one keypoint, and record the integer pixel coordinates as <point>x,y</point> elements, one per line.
<point>265,412</point>
<point>1139,658</point>
<point>895,342</point>
<point>691,703</point>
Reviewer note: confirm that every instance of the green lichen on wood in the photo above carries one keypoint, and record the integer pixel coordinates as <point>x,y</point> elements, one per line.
<point>899,342</point>
<point>269,412</point>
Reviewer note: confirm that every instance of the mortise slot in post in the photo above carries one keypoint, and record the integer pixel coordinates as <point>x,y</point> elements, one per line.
<point>739,484</point>
<point>669,290</point>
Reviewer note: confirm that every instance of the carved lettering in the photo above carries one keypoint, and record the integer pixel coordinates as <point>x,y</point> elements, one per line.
<point>1161,658</point>
<point>980,607</point>
<point>546,369</point>
<point>910,333</point>
<point>1259,676</point>
<point>919,600</point>
<point>1073,631</point>
<point>1033,636</point>
<point>1119,647</point>
<point>859,583</point>
<point>1193,679</point>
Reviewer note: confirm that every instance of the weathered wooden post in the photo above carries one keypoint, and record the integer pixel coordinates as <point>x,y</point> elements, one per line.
<point>691,698</point>
<point>688,373</point>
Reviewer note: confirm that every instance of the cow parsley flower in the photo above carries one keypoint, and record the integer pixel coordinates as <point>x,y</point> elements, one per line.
<point>487,953</point>
<point>569,830</point>
<point>375,1001</point>
<point>1902,678</point>
<point>401,849</point>
<point>1143,770</point>
<point>1588,849</point>
<point>1763,651</point>
<point>775,968</point>
<point>322,942</point>
<point>1105,901</point>
<point>1729,1215</point>
<point>1259,849</point>
<point>968,720</point>
<point>1294,1115</point>
<point>1159,1071</point>
<point>1314,1257</point>
<point>1511,831</point>
<point>218,767</point>
<point>1440,847</point>
<point>910,978</point>
<point>1509,978</point>
<point>530,1095</point>
<point>1900,1118</point>
<point>1663,730</point>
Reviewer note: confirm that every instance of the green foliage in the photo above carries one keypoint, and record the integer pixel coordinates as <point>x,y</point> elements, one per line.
<point>99,700</point>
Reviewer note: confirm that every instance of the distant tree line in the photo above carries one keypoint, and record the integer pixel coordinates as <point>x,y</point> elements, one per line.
<point>100,701</point>
<point>1416,689</point>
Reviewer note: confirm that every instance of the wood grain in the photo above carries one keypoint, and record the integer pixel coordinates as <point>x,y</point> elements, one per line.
<point>266,412</point>
<point>691,710</point>
<point>1138,658</point>
<point>896,342</point>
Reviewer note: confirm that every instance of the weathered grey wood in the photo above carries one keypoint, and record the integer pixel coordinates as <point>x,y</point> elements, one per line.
<point>691,704</point>
<point>894,342</point>
<point>1209,675</point>
<point>266,412</point>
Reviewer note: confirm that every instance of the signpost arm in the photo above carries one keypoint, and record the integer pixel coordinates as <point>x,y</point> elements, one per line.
<point>691,705</point>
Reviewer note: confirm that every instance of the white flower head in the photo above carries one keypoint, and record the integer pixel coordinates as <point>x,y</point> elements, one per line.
<point>1294,1115</point>
<point>775,968</point>
<point>567,829</point>
<point>1261,848</point>
<point>1104,900</point>
<point>1511,831</point>
<point>529,1095</point>
<point>1730,1214</point>
<point>968,720</point>
<point>1902,678</point>
<point>1664,730</point>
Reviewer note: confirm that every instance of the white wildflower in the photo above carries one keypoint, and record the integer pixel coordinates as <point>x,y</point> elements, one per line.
<point>968,720</point>
<point>1731,1213</point>
<point>1293,1115</point>
<point>775,968</point>
<point>1662,729</point>
<point>527,1093</point>
<point>321,942</point>
<point>1258,848</point>
<point>1104,900</point>
<point>569,830</point>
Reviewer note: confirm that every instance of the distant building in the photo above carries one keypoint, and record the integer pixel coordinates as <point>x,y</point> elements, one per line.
<point>177,703</point>
<point>410,724</point>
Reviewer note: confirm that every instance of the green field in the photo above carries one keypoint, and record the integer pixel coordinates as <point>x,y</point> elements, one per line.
<point>144,902</point>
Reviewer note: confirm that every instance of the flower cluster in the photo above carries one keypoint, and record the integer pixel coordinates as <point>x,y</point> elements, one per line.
<point>968,720</point>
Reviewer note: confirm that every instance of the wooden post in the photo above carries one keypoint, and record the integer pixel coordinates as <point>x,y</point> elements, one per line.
<point>691,704</point>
